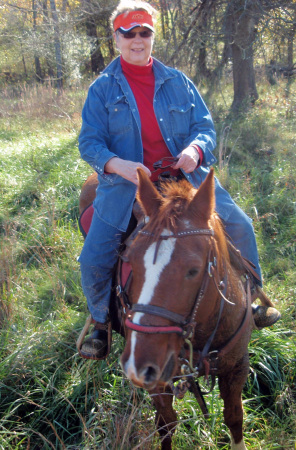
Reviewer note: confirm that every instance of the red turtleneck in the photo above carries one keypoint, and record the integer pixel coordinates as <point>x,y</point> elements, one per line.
<point>141,81</point>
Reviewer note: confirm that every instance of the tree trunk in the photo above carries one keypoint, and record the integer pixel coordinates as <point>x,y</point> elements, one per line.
<point>291,35</point>
<point>203,70</point>
<point>48,64</point>
<point>97,60</point>
<point>243,20</point>
<point>164,17</point>
<point>38,71</point>
<point>24,65</point>
<point>110,41</point>
<point>57,45</point>
<point>180,16</point>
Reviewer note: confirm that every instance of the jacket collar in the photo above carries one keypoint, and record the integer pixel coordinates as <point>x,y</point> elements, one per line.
<point>161,72</point>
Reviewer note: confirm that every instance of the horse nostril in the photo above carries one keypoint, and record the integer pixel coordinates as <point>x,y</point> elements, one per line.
<point>150,374</point>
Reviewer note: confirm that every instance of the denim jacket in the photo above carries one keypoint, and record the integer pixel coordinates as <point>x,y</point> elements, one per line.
<point>111,127</point>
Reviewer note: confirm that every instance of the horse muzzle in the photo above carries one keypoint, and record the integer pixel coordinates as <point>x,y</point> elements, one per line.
<point>150,374</point>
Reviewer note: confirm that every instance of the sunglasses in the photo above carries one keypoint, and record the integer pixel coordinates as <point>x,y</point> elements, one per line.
<point>132,34</point>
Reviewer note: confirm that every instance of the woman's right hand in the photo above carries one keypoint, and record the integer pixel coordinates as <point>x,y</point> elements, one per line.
<point>126,169</point>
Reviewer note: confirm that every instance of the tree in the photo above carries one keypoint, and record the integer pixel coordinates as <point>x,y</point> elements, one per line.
<point>240,25</point>
<point>57,44</point>
<point>94,14</point>
<point>243,19</point>
<point>61,39</point>
<point>97,60</point>
<point>36,56</point>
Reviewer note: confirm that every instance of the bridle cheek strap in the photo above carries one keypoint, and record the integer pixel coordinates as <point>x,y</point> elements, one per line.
<point>153,329</point>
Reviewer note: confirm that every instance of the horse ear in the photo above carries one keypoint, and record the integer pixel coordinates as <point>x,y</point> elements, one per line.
<point>203,203</point>
<point>148,196</point>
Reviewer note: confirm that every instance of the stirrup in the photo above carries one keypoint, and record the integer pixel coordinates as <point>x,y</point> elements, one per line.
<point>83,333</point>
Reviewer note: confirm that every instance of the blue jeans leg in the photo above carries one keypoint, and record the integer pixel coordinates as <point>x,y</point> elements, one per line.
<point>97,260</point>
<point>240,229</point>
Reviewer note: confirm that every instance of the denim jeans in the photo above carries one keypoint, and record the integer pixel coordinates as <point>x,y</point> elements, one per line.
<point>97,260</point>
<point>241,232</point>
<point>100,252</point>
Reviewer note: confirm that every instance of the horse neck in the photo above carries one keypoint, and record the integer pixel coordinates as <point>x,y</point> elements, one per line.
<point>209,309</point>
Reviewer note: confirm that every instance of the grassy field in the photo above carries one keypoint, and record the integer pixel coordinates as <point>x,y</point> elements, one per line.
<point>50,397</point>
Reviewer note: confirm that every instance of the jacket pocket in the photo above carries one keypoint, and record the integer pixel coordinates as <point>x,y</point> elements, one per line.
<point>180,119</point>
<point>119,116</point>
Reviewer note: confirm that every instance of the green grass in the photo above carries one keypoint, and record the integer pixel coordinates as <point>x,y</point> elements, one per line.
<point>50,397</point>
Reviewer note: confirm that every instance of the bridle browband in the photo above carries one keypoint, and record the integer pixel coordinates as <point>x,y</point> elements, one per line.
<point>164,237</point>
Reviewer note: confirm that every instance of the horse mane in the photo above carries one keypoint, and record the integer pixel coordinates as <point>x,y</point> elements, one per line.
<point>221,243</point>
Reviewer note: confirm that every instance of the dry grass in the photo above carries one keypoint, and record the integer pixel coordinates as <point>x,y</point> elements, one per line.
<point>50,398</point>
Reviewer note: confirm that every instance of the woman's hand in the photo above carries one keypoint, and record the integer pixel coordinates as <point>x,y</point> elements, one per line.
<point>126,169</point>
<point>188,160</point>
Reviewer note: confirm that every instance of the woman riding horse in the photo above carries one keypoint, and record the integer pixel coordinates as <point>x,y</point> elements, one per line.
<point>139,111</point>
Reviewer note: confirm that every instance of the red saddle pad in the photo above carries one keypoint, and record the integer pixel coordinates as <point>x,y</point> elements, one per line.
<point>85,220</point>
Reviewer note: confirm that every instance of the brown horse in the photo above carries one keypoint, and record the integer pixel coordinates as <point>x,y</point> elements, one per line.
<point>88,192</point>
<point>184,287</point>
<point>189,311</point>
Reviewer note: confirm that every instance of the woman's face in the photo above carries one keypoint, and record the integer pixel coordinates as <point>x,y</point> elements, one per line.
<point>137,50</point>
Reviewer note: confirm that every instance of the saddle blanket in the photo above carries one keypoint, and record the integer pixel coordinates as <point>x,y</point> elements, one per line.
<point>85,220</point>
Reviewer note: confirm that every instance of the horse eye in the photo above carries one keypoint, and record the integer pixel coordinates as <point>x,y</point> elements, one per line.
<point>191,273</point>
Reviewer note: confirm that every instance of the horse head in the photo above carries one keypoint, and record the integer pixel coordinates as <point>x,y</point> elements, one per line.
<point>169,259</point>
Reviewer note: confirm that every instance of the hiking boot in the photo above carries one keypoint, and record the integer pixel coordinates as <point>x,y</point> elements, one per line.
<point>96,345</point>
<point>265,316</point>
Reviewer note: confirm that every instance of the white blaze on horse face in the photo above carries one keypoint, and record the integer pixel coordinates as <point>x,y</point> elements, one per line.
<point>151,280</point>
<point>239,446</point>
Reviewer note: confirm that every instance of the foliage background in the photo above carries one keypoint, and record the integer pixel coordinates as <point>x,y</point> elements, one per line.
<point>49,397</point>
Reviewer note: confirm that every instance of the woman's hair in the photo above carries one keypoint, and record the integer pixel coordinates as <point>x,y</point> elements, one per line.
<point>132,5</point>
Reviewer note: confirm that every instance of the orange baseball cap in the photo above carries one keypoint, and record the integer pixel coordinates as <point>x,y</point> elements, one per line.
<point>132,19</point>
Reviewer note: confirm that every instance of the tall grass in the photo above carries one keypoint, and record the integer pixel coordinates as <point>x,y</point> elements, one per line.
<point>49,397</point>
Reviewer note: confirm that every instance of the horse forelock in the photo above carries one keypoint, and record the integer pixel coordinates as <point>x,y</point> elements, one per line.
<point>173,208</point>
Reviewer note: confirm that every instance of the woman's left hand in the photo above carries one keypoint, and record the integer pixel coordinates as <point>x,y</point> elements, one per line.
<point>188,160</point>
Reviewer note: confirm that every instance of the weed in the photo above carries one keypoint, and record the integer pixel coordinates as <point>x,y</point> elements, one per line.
<point>50,398</point>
